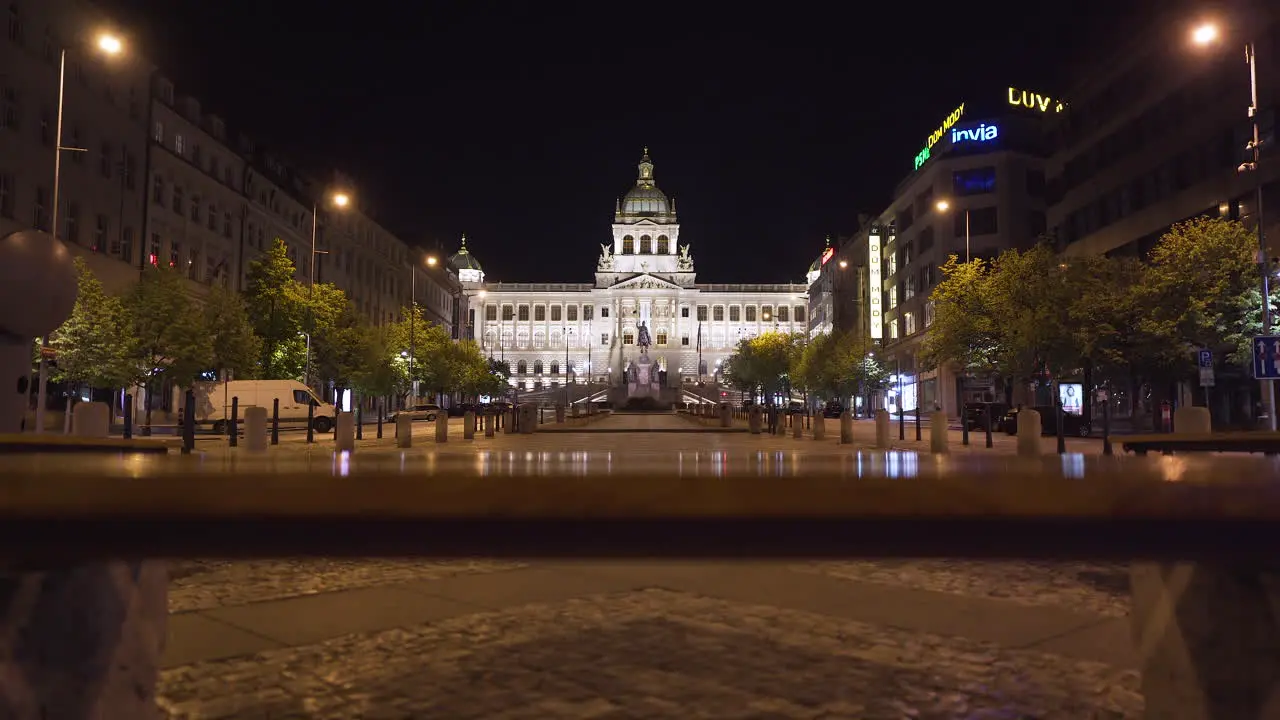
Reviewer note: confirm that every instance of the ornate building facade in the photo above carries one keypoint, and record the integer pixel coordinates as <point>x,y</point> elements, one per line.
<point>553,333</point>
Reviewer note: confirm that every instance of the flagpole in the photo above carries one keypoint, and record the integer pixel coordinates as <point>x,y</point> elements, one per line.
<point>699,352</point>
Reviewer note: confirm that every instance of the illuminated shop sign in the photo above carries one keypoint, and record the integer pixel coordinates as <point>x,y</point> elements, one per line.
<point>938,134</point>
<point>875,280</point>
<point>830,252</point>
<point>1034,101</point>
<point>982,133</point>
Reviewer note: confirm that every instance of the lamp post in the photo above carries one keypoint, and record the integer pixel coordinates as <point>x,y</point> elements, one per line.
<point>106,44</point>
<point>341,201</point>
<point>413,317</point>
<point>943,206</point>
<point>567,400</point>
<point>1208,34</point>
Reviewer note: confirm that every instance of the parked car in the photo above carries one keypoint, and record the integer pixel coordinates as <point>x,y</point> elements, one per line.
<point>833,409</point>
<point>418,412</point>
<point>975,415</point>
<point>1077,425</point>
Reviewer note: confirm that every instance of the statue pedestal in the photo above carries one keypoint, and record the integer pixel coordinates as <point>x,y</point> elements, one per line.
<point>642,377</point>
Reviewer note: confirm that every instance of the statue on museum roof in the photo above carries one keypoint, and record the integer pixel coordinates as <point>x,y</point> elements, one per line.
<point>685,261</point>
<point>606,257</point>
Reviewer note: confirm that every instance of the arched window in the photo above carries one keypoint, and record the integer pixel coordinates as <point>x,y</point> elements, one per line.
<point>488,339</point>
<point>628,245</point>
<point>555,339</point>
<point>506,338</point>
<point>555,366</point>
<point>539,339</point>
<point>664,246</point>
<point>522,368</point>
<point>537,367</point>
<point>646,245</point>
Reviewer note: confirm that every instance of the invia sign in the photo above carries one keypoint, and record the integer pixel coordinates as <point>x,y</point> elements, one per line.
<point>983,133</point>
<point>938,134</point>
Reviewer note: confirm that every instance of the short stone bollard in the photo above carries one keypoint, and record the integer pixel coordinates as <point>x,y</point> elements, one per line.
<point>560,414</point>
<point>344,436</point>
<point>489,420</point>
<point>255,429</point>
<point>1029,432</point>
<point>577,410</point>
<point>91,420</point>
<point>819,427</point>
<point>938,432</point>
<point>755,420</point>
<point>528,418</point>
<point>846,428</point>
<point>469,425</point>
<point>404,432</point>
<point>797,427</point>
<point>510,421</point>
<point>442,427</point>
<point>726,415</point>
<point>1191,419</point>
<point>883,436</point>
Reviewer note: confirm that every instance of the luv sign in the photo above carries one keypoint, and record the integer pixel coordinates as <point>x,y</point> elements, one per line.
<point>1034,101</point>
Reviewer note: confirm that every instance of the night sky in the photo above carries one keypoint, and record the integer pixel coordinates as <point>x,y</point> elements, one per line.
<point>520,123</point>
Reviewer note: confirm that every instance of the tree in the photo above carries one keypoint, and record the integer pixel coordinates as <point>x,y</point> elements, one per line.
<point>836,366</point>
<point>379,373</point>
<point>436,364</point>
<point>1029,294</point>
<point>274,303</point>
<point>478,375</point>
<point>963,332</point>
<point>763,362</point>
<point>94,345</point>
<point>234,344</point>
<point>168,332</point>
<point>340,346</point>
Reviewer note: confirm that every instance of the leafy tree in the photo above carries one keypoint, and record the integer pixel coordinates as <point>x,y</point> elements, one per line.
<point>168,332</point>
<point>276,311</point>
<point>964,331</point>
<point>436,365</point>
<point>835,366</point>
<point>341,346</point>
<point>235,346</point>
<point>1029,295</point>
<point>380,373</point>
<point>478,376</point>
<point>94,345</point>
<point>763,362</point>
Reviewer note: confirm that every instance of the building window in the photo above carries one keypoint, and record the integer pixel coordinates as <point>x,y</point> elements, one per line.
<point>928,313</point>
<point>490,313</point>
<point>717,313</point>
<point>799,313</point>
<point>154,257</point>
<point>522,368</point>
<point>179,144</point>
<point>539,313</point>
<point>8,108</point>
<point>226,223</point>
<point>751,313</point>
<point>784,313</point>
<point>628,338</point>
<point>6,195</point>
<point>76,157</point>
<point>195,208</point>
<point>909,288</point>
<point>539,339</point>
<point>604,338</point>
<point>684,340</point>
<point>975,181</point>
<point>178,203</point>
<point>555,368</point>
<point>702,313</point>
<point>524,313</point>
<point>100,235</point>
<point>41,216</point>
<point>909,323</point>
<point>125,251</point>
<point>684,311</point>
<point>193,265</point>
<point>735,313</point>
<point>175,253</point>
<point>157,190</point>
<point>588,311</point>
<point>628,245</point>
<point>893,329</point>
<point>508,313</point>
<point>71,229</point>
<point>571,313</point>
<point>664,245</point>
<point>604,311</point>
<point>893,297</point>
<point>213,217</point>
<point>555,313</point>
<point>662,339</point>
<point>765,314</point>
<point>104,160</point>
<point>537,367</point>
<point>646,245</point>
<point>982,221</point>
<point>46,127</point>
<point>15,23</point>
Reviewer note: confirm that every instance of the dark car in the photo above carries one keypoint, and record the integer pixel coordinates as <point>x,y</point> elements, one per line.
<point>1077,425</point>
<point>833,409</point>
<point>975,414</point>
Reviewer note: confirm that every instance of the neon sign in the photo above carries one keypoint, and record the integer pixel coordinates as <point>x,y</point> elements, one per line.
<point>982,133</point>
<point>1034,101</point>
<point>828,254</point>
<point>938,134</point>
<point>873,275</point>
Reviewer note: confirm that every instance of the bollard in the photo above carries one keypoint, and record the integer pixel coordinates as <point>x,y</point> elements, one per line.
<point>128,417</point>
<point>819,427</point>
<point>560,414</point>
<point>404,431</point>
<point>1106,427</point>
<point>311,423</point>
<point>1062,441</point>
<point>964,427</point>
<point>528,419</point>
<point>91,420</point>
<point>797,427</point>
<point>902,422</point>
<point>189,422</point>
<point>938,432</point>
<point>1192,419</point>
<point>918,410</point>
<point>576,410</point>
<point>846,428</point>
<point>469,425</point>
<point>344,432</point>
<point>1028,432</point>
<point>442,427</point>
<point>379,418</point>
<point>360,420</point>
<point>726,415</point>
<point>255,429</point>
<point>989,421</point>
<point>234,426</point>
<point>275,421</point>
<point>882,429</point>
<point>755,419</point>
<point>489,421</point>
<point>510,422</point>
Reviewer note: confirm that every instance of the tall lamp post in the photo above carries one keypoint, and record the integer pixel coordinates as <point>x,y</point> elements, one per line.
<point>340,201</point>
<point>1208,34</point>
<point>945,205</point>
<point>107,44</point>
<point>413,317</point>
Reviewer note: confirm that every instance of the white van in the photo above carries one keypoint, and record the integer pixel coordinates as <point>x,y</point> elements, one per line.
<point>213,402</point>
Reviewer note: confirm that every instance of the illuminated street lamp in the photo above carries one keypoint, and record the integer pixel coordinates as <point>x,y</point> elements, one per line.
<point>1207,34</point>
<point>340,201</point>
<point>943,206</point>
<point>431,261</point>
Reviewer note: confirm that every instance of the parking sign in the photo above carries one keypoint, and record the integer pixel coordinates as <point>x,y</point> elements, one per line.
<point>1205,357</point>
<point>1266,357</point>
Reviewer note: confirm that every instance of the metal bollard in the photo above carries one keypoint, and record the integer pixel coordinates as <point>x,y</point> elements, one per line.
<point>360,420</point>
<point>404,431</point>
<point>128,417</point>
<point>1028,432</point>
<point>918,410</point>
<point>988,420</point>
<point>189,422</point>
<point>344,432</point>
<point>1062,441</point>
<point>275,421</point>
<point>379,418</point>
<point>882,429</point>
<point>234,426</point>
<point>846,428</point>
<point>442,427</point>
<point>311,423</point>
<point>902,421</point>
<point>1106,427</point>
<point>255,429</point>
<point>469,425</point>
<point>938,432</point>
<point>819,427</point>
<point>964,427</point>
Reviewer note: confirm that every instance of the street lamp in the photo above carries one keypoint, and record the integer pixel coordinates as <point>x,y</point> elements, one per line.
<point>943,206</point>
<point>1207,34</point>
<point>431,261</point>
<point>340,201</point>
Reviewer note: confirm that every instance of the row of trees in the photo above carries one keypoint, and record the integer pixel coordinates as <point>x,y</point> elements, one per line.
<point>828,366</point>
<point>158,330</point>
<point>1032,314</point>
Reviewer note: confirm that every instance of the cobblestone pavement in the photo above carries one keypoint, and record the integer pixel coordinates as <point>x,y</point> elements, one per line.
<point>650,654</point>
<point>205,584</point>
<point>1101,588</point>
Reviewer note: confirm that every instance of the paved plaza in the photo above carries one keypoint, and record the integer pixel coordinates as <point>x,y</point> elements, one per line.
<point>864,639</point>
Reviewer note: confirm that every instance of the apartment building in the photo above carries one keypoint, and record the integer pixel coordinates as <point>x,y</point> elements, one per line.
<point>436,289</point>
<point>102,175</point>
<point>277,206</point>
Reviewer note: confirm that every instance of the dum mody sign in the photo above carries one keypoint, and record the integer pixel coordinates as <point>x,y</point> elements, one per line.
<point>938,134</point>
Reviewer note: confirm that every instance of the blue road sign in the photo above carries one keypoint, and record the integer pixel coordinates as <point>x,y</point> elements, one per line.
<point>1266,357</point>
<point>1205,358</point>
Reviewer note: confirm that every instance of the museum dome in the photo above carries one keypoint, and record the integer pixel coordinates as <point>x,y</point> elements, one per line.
<point>645,200</point>
<point>466,264</point>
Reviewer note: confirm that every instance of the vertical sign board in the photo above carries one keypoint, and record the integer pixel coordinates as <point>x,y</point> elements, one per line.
<point>1204,359</point>
<point>874,281</point>
<point>1266,357</point>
